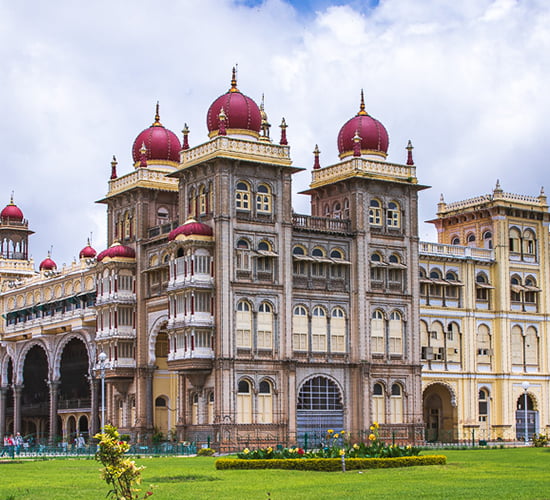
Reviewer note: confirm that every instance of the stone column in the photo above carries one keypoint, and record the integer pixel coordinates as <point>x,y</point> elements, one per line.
<point>94,413</point>
<point>3,393</point>
<point>54,393</point>
<point>17,390</point>
<point>149,398</point>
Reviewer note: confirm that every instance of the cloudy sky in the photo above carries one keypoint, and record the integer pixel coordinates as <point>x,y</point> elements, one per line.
<point>468,82</point>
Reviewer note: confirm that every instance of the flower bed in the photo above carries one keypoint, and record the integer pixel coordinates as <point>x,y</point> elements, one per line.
<point>329,464</point>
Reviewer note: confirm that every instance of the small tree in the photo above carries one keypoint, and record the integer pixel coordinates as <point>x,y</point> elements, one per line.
<point>119,472</point>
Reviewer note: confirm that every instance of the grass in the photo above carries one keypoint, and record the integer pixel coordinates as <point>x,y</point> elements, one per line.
<point>519,473</point>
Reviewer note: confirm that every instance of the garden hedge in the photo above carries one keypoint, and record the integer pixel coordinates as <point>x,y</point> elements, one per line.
<point>329,464</point>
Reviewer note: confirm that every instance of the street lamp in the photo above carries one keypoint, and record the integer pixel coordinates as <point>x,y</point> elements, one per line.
<point>102,358</point>
<point>525,386</point>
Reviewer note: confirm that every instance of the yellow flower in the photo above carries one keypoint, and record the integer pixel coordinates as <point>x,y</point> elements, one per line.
<point>269,449</point>
<point>375,424</point>
<point>330,431</point>
<point>356,446</point>
<point>372,427</point>
<point>342,432</point>
<point>372,437</point>
<point>342,452</point>
<point>336,436</point>
<point>246,450</point>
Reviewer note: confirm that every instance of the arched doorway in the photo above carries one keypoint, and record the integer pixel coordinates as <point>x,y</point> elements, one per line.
<point>70,430</point>
<point>532,417</point>
<point>9,399</point>
<point>440,417</point>
<point>161,415</point>
<point>74,392</point>
<point>319,408</point>
<point>35,397</point>
<point>83,426</point>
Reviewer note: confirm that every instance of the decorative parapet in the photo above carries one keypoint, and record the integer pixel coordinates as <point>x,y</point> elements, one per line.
<point>237,149</point>
<point>8,266</point>
<point>148,177</point>
<point>362,167</point>
<point>429,249</point>
<point>521,199</point>
<point>321,224</point>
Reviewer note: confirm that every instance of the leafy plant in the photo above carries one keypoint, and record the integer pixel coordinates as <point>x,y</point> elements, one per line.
<point>205,452</point>
<point>540,440</point>
<point>119,472</point>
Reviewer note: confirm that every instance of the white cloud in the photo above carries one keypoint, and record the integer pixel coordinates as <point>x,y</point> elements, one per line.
<point>466,81</point>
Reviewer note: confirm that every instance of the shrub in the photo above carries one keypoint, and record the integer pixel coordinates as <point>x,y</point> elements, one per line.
<point>329,464</point>
<point>540,440</point>
<point>205,452</point>
<point>119,472</point>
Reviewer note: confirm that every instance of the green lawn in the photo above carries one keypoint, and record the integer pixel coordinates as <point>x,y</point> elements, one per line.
<point>469,474</point>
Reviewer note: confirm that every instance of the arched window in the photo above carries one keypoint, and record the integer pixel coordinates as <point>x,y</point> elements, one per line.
<point>483,405</point>
<point>317,252</point>
<point>376,257</point>
<point>482,287</point>
<point>265,403</point>
<point>517,346</point>
<point>242,255</point>
<point>192,205</point>
<point>515,240</point>
<point>263,199</point>
<point>375,213</point>
<point>346,209</point>
<point>531,290</point>
<point>529,243</point>
<point>299,329</point>
<point>265,326</point>
<point>203,200</point>
<point>162,215</point>
<point>337,210</point>
<point>338,330</point>
<point>396,333</point>
<point>298,250</point>
<point>515,288</point>
<point>378,404</point>
<point>264,263</point>
<point>244,402</point>
<point>318,330</point>
<point>455,240</point>
<point>211,407</point>
<point>488,239</point>
<point>244,325</point>
<point>318,266</point>
<point>484,350</point>
<point>242,196</point>
<point>392,215</point>
<point>336,254</point>
<point>471,240</point>
<point>396,404</point>
<point>195,409</point>
<point>378,345</point>
<point>531,341</point>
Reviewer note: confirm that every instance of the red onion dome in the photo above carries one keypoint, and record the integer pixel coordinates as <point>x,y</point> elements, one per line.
<point>48,264</point>
<point>162,145</point>
<point>12,212</point>
<point>87,252</point>
<point>191,228</point>
<point>242,114</point>
<point>374,137</point>
<point>117,250</point>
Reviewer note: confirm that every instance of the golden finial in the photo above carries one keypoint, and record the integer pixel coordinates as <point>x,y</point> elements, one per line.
<point>185,129</point>
<point>157,117</point>
<point>222,115</point>
<point>234,81</point>
<point>114,163</point>
<point>143,149</point>
<point>11,199</point>
<point>362,106</point>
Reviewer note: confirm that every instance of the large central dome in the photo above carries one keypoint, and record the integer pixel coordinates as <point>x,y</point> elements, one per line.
<point>242,114</point>
<point>374,137</point>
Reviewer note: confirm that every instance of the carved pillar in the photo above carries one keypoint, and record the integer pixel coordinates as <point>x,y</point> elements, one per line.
<point>54,393</point>
<point>149,398</point>
<point>3,393</point>
<point>94,414</point>
<point>17,390</point>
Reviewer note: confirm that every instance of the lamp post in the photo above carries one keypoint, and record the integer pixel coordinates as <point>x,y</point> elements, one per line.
<point>102,358</point>
<point>525,386</point>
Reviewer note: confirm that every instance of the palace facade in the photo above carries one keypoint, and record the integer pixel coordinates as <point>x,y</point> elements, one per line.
<point>226,317</point>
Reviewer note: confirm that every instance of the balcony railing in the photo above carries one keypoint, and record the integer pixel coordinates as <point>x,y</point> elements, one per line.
<point>321,224</point>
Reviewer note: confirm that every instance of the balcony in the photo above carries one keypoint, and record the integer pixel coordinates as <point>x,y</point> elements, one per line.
<point>321,224</point>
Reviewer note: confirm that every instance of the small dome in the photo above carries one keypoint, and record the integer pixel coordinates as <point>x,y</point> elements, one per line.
<point>243,115</point>
<point>87,252</point>
<point>374,137</point>
<point>162,145</point>
<point>191,227</point>
<point>48,264</point>
<point>12,212</point>
<point>117,250</point>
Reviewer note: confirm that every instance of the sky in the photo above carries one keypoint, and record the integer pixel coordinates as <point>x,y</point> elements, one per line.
<point>467,82</point>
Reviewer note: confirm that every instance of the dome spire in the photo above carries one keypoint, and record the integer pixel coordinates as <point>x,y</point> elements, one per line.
<point>357,144</point>
<point>410,148</point>
<point>157,123</point>
<point>185,133</point>
<point>284,126</point>
<point>113,168</point>
<point>316,153</point>
<point>362,111</point>
<point>265,123</point>
<point>234,80</point>
<point>11,199</point>
<point>222,117</point>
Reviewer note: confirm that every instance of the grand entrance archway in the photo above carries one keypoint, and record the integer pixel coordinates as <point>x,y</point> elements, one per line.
<point>440,415</point>
<point>319,408</point>
<point>532,416</point>
<point>35,397</point>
